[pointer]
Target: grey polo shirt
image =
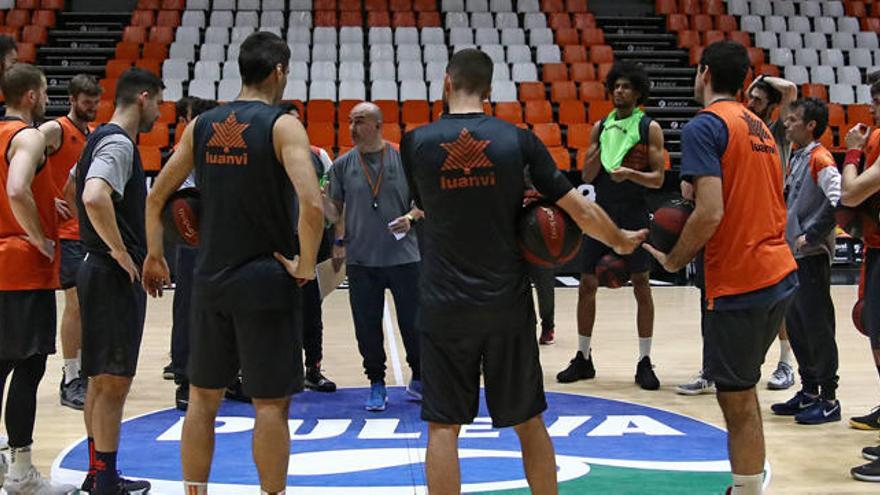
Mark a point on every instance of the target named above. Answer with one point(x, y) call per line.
point(368, 242)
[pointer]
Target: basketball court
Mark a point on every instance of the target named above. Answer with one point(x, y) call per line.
point(610, 436)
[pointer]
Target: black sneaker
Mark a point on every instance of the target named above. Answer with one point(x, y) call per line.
point(168, 372)
point(126, 487)
point(870, 421)
point(800, 402)
point(871, 453)
point(867, 472)
point(578, 369)
point(73, 394)
point(235, 391)
point(181, 397)
point(645, 376)
point(315, 380)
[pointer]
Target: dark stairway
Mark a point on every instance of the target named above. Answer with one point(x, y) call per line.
point(82, 42)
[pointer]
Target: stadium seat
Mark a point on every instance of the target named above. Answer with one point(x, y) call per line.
point(321, 134)
point(561, 157)
point(563, 90)
point(549, 134)
point(578, 136)
point(859, 114)
point(582, 72)
point(509, 112)
point(532, 91)
point(415, 112)
point(538, 112)
point(572, 112)
point(151, 156)
point(157, 136)
point(390, 109)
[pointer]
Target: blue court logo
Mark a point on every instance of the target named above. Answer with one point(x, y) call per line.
point(602, 446)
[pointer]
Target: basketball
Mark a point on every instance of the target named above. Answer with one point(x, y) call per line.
point(637, 158)
point(667, 223)
point(180, 217)
point(854, 220)
point(547, 236)
point(858, 322)
point(611, 271)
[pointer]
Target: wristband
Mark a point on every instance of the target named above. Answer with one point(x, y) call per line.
point(853, 157)
point(410, 217)
point(339, 242)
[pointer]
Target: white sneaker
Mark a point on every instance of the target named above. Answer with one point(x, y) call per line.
point(698, 386)
point(34, 484)
point(782, 378)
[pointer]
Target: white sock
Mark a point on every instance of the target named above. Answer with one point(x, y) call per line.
point(195, 488)
point(584, 345)
point(785, 353)
point(748, 485)
point(264, 492)
point(644, 347)
point(71, 370)
point(19, 462)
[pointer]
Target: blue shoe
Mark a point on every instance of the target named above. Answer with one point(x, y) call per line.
point(822, 411)
point(414, 390)
point(800, 402)
point(378, 397)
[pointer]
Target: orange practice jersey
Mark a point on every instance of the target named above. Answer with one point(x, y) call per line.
point(60, 162)
point(748, 250)
point(871, 234)
point(22, 266)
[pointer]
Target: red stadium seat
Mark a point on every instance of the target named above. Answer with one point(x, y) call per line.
point(425, 5)
point(574, 53)
point(578, 135)
point(666, 7)
point(378, 19)
point(325, 18)
point(576, 6)
point(702, 22)
point(593, 36)
point(52, 4)
point(145, 18)
point(740, 37)
point(583, 71)
point(549, 134)
point(351, 18)
point(45, 18)
point(572, 112)
point(27, 52)
point(162, 34)
point(401, 5)
point(324, 5)
point(148, 4)
point(689, 7)
point(601, 54)
point(552, 6)
point(583, 20)
point(563, 90)
point(403, 19)
point(127, 50)
point(688, 39)
point(714, 7)
point(695, 53)
point(351, 5)
point(27, 4)
point(870, 23)
point(173, 5)
point(559, 20)
point(756, 56)
point(34, 34)
point(390, 110)
point(509, 111)
point(726, 23)
point(769, 70)
point(115, 68)
point(322, 134)
point(429, 19)
point(677, 22)
point(567, 36)
point(18, 18)
point(532, 91)
point(710, 37)
point(415, 112)
point(134, 34)
point(158, 51)
point(168, 18)
point(320, 111)
point(538, 112)
point(855, 9)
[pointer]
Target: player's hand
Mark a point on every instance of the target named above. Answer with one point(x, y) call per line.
point(400, 225)
point(530, 196)
point(156, 275)
point(338, 257)
point(62, 209)
point(630, 240)
point(620, 174)
point(44, 245)
point(800, 242)
point(857, 137)
point(302, 274)
point(662, 258)
point(687, 190)
point(123, 259)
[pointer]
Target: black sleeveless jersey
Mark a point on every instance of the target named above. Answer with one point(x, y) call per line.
point(246, 196)
point(129, 210)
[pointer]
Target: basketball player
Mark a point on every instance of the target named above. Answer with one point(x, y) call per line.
point(8, 53)
point(467, 172)
point(65, 138)
point(731, 158)
point(246, 295)
point(812, 190)
point(29, 266)
point(376, 240)
point(110, 195)
point(625, 159)
point(768, 95)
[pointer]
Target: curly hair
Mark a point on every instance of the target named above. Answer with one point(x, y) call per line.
point(633, 73)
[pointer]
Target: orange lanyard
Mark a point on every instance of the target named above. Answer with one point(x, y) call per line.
point(377, 186)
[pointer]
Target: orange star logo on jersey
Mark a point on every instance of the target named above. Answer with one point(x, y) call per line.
point(466, 153)
point(228, 134)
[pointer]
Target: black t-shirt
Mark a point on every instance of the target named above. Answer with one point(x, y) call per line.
point(467, 172)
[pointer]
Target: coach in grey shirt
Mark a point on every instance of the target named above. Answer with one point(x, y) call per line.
point(375, 239)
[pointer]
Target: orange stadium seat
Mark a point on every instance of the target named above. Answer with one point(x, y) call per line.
point(603, 71)
point(561, 157)
point(870, 23)
point(158, 51)
point(487, 108)
point(538, 112)
point(436, 110)
point(391, 132)
point(815, 90)
point(390, 110)
point(702, 22)
point(45, 18)
point(167, 113)
point(18, 18)
point(109, 90)
point(150, 64)
point(134, 34)
point(429, 19)
point(592, 90)
point(827, 139)
point(677, 22)
point(726, 23)
point(105, 111)
point(415, 112)
point(856, 114)
point(148, 4)
point(343, 111)
point(351, 18)
point(712, 36)
point(756, 56)
point(151, 157)
point(52, 4)
point(583, 71)
point(349, 5)
point(34, 34)
point(27, 4)
point(126, 50)
point(532, 91)
point(158, 136)
point(509, 111)
point(583, 20)
point(666, 7)
point(690, 7)
point(563, 90)
point(27, 52)
point(378, 19)
point(324, 5)
point(836, 115)
point(578, 135)
point(168, 18)
point(695, 53)
point(559, 20)
point(554, 72)
point(593, 36)
point(576, 6)
point(574, 53)
point(403, 19)
point(409, 127)
point(601, 54)
point(572, 112)
point(162, 34)
point(740, 37)
point(322, 134)
point(549, 134)
point(688, 39)
point(325, 18)
point(714, 7)
point(320, 111)
point(144, 18)
point(400, 5)
point(769, 70)
point(376, 5)
point(599, 110)
point(115, 68)
point(567, 36)
point(173, 4)
point(344, 137)
point(855, 9)
point(425, 5)
point(552, 6)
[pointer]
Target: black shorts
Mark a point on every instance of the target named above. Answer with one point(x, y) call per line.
point(258, 329)
point(72, 254)
point(736, 341)
point(112, 310)
point(457, 346)
point(27, 324)
point(626, 216)
point(871, 296)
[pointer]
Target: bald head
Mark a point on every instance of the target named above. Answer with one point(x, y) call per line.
point(365, 123)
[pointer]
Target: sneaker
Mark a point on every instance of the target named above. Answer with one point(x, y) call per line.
point(645, 376)
point(378, 397)
point(181, 397)
point(548, 336)
point(870, 421)
point(168, 372)
point(235, 391)
point(822, 411)
point(867, 472)
point(871, 453)
point(414, 390)
point(797, 404)
point(315, 380)
point(33, 483)
point(3, 468)
point(133, 487)
point(578, 369)
point(697, 386)
point(782, 378)
point(73, 394)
